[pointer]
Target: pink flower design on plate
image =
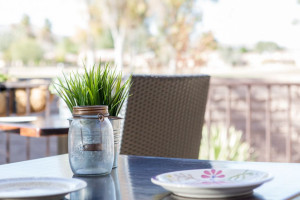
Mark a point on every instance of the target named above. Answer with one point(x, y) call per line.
point(212, 174)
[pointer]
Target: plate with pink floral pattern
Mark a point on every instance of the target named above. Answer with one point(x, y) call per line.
point(212, 183)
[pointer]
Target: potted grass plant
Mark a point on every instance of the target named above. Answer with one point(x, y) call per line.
point(98, 85)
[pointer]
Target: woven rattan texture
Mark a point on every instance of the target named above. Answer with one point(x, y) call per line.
point(164, 116)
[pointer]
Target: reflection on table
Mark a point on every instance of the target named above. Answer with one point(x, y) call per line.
point(131, 180)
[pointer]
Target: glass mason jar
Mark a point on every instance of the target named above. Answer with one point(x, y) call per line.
point(90, 141)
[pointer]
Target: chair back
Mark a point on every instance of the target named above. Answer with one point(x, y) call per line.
point(164, 116)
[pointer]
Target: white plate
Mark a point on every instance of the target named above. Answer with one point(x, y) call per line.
point(39, 188)
point(212, 183)
point(18, 119)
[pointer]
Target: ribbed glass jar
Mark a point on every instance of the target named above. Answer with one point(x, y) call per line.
point(90, 141)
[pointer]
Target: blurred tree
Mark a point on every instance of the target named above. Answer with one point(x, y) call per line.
point(121, 17)
point(267, 47)
point(24, 46)
point(6, 38)
point(80, 37)
point(207, 42)
point(65, 46)
point(47, 40)
point(95, 23)
point(25, 26)
point(26, 50)
point(104, 41)
point(244, 49)
point(46, 31)
point(176, 21)
point(24, 43)
point(232, 55)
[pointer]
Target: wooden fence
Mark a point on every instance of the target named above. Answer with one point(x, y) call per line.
point(266, 112)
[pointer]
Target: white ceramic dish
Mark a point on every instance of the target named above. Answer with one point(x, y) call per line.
point(212, 183)
point(18, 119)
point(39, 187)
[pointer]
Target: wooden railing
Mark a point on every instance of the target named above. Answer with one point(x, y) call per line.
point(9, 91)
point(262, 99)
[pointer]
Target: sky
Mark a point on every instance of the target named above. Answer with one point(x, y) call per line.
point(66, 15)
point(233, 22)
point(244, 22)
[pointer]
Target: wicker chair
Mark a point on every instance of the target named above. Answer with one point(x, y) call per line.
point(164, 116)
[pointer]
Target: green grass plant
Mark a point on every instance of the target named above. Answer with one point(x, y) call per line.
point(99, 85)
point(3, 77)
point(223, 145)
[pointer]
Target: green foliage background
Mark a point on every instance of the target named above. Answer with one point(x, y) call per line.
point(220, 146)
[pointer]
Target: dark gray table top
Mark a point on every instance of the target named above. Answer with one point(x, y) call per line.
point(131, 180)
point(43, 126)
